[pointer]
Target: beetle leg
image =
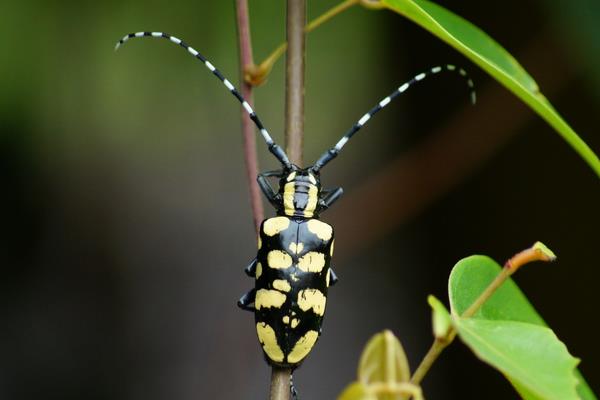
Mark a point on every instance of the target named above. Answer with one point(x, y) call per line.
point(332, 277)
point(246, 302)
point(250, 270)
point(273, 197)
point(329, 197)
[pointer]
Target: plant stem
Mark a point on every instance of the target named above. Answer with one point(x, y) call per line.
point(294, 83)
point(280, 383)
point(327, 15)
point(434, 352)
point(294, 131)
point(245, 50)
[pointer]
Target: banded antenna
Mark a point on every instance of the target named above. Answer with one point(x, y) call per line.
point(274, 148)
point(333, 152)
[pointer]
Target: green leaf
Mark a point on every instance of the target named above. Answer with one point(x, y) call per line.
point(529, 355)
point(525, 393)
point(469, 278)
point(441, 321)
point(383, 360)
point(494, 59)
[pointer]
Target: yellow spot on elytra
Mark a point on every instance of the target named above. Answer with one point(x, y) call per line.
point(282, 285)
point(286, 319)
point(312, 298)
point(331, 248)
point(259, 242)
point(273, 226)
point(291, 176)
point(296, 248)
point(288, 198)
point(266, 336)
point(311, 203)
point(258, 270)
point(321, 229)
point(279, 259)
point(295, 322)
point(312, 262)
point(303, 347)
point(266, 298)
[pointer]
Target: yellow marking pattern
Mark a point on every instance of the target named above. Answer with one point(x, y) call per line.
point(296, 248)
point(312, 262)
point(288, 198)
point(295, 322)
point(281, 285)
point(291, 176)
point(273, 226)
point(303, 347)
point(331, 248)
point(266, 336)
point(327, 278)
point(286, 319)
point(312, 298)
point(311, 204)
point(321, 229)
point(259, 242)
point(312, 179)
point(266, 298)
point(279, 259)
point(258, 270)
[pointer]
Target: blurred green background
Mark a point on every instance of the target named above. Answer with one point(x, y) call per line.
point(126, 223)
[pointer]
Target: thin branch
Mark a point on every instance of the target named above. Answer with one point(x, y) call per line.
point(280, 384)
point(245, 48)
point(294, 84)
point(432, 355)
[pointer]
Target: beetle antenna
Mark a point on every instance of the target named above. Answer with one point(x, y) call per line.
point(333, 152)
point(274, 148)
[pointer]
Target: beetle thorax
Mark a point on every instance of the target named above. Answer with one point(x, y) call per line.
point(300, 193)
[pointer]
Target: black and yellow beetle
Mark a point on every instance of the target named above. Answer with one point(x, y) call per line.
point(292, 269)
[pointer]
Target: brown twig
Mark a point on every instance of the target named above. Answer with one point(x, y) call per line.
point(280, 384)
point(246, 62)
point(294, 84)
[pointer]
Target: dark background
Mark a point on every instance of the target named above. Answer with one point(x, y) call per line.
point(125, 216)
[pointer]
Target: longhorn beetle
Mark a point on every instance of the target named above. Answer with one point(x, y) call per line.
point(292, 269)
